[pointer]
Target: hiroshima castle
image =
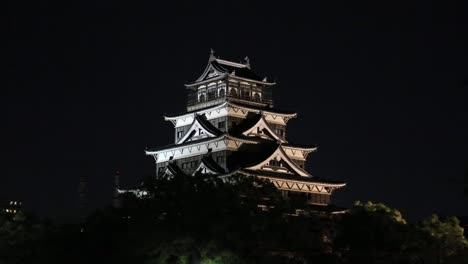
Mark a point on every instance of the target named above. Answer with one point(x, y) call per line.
point(232, 127)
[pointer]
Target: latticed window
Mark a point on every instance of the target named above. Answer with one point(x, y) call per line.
point(222, 93)
point(220, 160)
point(211, 95)
point(280, 132)
point(245, 93)
point(180, 134)
point(257, 97)
point(233, 92)
point(275, 163)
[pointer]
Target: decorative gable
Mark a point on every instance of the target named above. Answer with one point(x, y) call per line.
point(263, 130)
point(199, 130)
point(280, 162)
point(204, 169)
point(210, 72)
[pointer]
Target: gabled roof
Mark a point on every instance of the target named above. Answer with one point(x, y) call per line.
point(251, 154)
point(207, 125)
point(211, 166)
point(249, 125)
point(173, 169)
point(217, 68)
point(261, 123)
point(200, 121)
point(236, 69)
point(279, 153)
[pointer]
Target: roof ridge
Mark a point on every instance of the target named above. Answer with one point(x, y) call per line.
point(231, 63)
point(203, 121)
point(212, 164)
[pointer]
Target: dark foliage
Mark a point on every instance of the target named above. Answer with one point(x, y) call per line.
point(206, 220)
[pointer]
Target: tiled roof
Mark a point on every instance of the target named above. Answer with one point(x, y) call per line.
point(176, 170)
point(232, 68)
point(287, 176)
point(212, 165)
point(182, 144)
point(208, 125)
point(251, 154)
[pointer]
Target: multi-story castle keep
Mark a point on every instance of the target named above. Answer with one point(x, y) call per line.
point(231, 127)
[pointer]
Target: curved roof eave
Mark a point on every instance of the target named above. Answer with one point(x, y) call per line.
point(268, 128)
point(306, 179)
point(311, 149)
point(286, 158)
point(262, 110)
point(217, 78)
point(169, 118)
point(251, 80)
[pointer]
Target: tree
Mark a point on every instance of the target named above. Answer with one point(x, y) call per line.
point(214, 221)
point(19, 236)
point(444, 238)
point(370, 231)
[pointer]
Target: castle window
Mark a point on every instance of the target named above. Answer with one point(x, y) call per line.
point(280, 132)
point(257, 97)
point(233, 92)
point(211, 94)
point(222, 93)
point(275, 163)
point(220, 159)
point(201, 98)
point(222, 124)
point(180, 134)
point(245, 93)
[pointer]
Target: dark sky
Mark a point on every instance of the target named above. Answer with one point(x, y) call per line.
point(381, 88)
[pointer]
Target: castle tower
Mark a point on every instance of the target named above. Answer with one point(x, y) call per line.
point(231, 127)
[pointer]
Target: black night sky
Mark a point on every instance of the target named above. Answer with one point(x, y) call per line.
point(381, 89)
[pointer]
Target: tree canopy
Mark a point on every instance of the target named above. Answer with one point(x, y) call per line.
point(185, 219)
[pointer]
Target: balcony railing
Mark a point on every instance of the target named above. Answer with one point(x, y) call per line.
point(194, 98)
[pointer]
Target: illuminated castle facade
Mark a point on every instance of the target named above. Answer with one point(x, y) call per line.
point(231, 127)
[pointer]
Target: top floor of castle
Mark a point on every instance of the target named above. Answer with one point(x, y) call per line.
point(226, 81)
